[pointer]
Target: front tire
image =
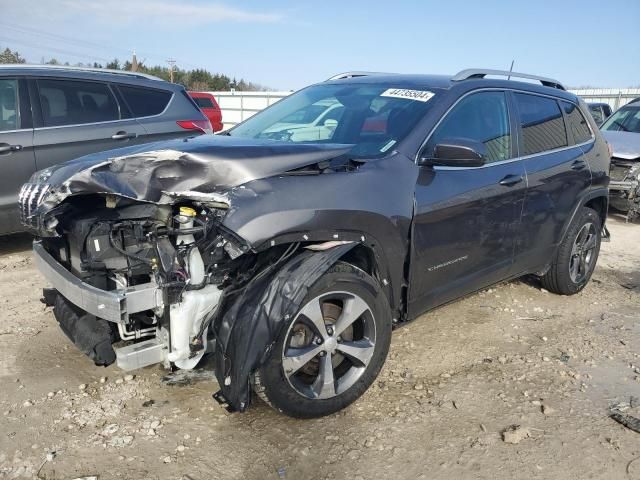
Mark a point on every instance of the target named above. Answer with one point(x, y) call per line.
point(332, 350)
point(577, 255)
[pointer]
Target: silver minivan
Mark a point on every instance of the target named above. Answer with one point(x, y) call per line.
point(49, 115)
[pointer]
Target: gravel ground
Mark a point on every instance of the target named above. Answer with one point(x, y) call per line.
point(512, 382)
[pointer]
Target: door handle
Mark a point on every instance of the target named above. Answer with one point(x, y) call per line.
point(578, 165)
point(123, 136)
point(6, 148)
point(511, 180)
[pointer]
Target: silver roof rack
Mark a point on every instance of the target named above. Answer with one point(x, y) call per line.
point(481, 73)
point(344, 75)
point(79, 69)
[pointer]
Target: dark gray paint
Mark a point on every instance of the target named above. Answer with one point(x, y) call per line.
point(412, 218)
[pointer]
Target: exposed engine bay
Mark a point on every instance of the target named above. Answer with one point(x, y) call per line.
point(181, 251)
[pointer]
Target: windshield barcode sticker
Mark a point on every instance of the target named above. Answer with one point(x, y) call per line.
point(419, 95)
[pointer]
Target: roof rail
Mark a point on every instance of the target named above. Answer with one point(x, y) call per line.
point(481, 73)
point(344, 75)
point(81, 69)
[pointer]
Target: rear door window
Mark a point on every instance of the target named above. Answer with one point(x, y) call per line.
point(577, 124)
point(72, 102)
point(145, 102)
point(541, 122)
point(9, 112)
point(481, 117)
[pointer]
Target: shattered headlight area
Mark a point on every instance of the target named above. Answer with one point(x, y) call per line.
point(624, 187)
point(30, 197)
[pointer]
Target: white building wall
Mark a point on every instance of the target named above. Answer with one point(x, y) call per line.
point(616, 97)
point(238, 106)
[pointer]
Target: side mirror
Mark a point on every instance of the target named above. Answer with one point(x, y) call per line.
point(457, 152)
point(330, 123)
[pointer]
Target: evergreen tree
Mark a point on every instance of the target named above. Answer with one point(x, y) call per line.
point(7, 56)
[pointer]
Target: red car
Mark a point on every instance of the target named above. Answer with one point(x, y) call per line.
point(207, 103)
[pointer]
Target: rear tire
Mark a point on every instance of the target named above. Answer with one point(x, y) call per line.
point(324, 362)
point(576, 256)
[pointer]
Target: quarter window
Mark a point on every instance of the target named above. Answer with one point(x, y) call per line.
point(9, 115)
point(203, 102)
point(481, 117)
point(542, 124)
point(577, 123)
point(145, 102)
point(71, 102)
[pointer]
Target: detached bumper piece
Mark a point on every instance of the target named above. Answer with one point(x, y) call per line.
point(93, 336)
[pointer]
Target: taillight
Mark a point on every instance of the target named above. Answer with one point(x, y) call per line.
point(202, 126)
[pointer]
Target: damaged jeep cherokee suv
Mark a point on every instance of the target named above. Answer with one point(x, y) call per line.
point(291, 257)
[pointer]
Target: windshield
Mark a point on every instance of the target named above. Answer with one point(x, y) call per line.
point(627, 119)
point(372, 117)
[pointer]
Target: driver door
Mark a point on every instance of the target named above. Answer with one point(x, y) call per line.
point(467, 219)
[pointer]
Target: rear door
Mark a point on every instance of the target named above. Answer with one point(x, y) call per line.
point(557, 171)
point(78, 117)
point(467, 219)
point(17, 160)
point(158, 111)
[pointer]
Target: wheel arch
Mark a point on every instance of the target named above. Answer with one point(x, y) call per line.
point(598, 200)
point(366, 253)
point(246, 328)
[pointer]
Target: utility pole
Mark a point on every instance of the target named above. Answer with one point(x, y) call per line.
point(171, 63)
point(134, 62)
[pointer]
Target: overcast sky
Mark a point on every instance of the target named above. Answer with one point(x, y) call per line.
point(288, 44)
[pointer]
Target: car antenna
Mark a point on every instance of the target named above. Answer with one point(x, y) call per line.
point(511, 69)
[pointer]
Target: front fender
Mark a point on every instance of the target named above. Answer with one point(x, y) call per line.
point(372, 205)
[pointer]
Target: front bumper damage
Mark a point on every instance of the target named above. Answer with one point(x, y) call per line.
point(624, 195)
point(114, 306)
point(91, 317)
point(144, 270)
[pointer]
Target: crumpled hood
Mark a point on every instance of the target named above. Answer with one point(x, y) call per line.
point(203, 168)
point(201, 164)
point(625, 145)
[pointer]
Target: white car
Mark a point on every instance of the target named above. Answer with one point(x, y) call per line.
point(313, 122)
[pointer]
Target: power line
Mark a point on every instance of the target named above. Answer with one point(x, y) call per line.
point(52, 49)
point(80, 43)
point(41, 33)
